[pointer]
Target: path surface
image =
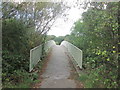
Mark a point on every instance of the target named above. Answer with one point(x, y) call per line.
point(58, 69)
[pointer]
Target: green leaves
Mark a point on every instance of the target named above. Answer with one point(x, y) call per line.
point(24, 26)
point(97, 36)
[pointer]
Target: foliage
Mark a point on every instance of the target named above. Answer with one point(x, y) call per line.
point(59, 39)
point(50, 37)
point(97, 35)
point(15, 46)
point(22, 79)
point(24, 26)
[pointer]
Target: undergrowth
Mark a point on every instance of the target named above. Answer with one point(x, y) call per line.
point(95, 78)
point(22, 78)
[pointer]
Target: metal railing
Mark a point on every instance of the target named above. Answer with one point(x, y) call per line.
point(75, 52)
point(36, 53)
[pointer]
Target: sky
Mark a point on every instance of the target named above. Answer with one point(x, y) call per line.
point(61, 27)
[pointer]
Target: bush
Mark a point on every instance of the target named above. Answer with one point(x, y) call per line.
point(15, 48)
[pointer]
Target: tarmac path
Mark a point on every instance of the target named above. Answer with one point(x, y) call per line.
point(58, 69)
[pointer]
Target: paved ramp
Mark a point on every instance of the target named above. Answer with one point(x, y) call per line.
point(57, 72)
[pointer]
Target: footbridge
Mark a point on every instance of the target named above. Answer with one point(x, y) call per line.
point(72, 50)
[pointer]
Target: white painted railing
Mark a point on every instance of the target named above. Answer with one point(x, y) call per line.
point(75, 52)
point(36, 53)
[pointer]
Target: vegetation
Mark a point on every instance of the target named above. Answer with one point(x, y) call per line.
point(24, 26)
point(58, 39)
point(97, 35)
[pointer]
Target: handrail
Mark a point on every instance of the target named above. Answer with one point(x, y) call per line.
point(74, 51)
point(36, 53)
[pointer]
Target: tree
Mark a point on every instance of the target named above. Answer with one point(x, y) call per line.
point(25, 26)
point(97, 36)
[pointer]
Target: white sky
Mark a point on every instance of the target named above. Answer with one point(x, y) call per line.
point(61, 27)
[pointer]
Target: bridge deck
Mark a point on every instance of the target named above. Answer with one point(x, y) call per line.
point(58, 70)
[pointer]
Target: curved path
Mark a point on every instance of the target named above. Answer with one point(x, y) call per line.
point(58, 70)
